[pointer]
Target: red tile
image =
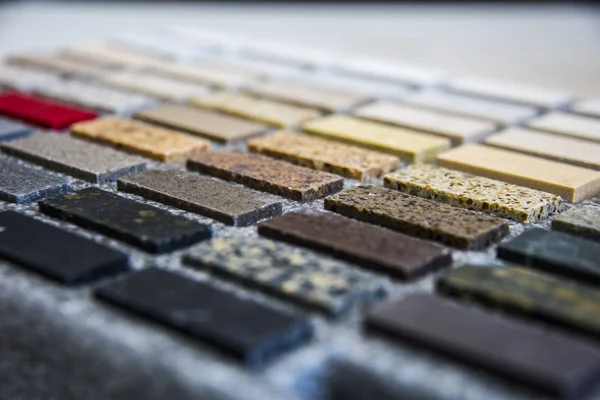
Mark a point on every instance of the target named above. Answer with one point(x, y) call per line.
point(42, 112)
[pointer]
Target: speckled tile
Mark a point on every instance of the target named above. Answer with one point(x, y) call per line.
point(477, 193)
point(223, 201)
point(142, 138)
point(325, 155)
point(268, 175)
point(582, 221)
point(572, 125)
point(419, 217)
point(11, 129)
point(407, 144)
point(290, 272)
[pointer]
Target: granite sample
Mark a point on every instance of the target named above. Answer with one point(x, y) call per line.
point(580, 221)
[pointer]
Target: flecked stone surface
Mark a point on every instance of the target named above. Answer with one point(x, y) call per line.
point(325, 155)
point(225, 202)
point(298, 275)
point(415, 216)
point(583, 221)
point(268, 175)
point(139, 137)
point(527, 292)
point(367, 245)
point(10, 129)
point(266, 111)
point(473, 192)
point(20, 183)
point(78, 158)
point(410, 146)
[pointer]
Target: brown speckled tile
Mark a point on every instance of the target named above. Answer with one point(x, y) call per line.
point(457, 227)
point(581, 221)
point(268, 175)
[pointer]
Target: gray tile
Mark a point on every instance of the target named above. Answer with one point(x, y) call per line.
point(580, 221)
point(10, 129)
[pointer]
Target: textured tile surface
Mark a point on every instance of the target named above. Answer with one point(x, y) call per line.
point(266, 111)
point(556, 364)
point(589, 106)
point(78, 158)
point(526, 292)
point(325, 155)
point(409, 145)
point(415, 216)
point(298, 275)
point(143, 226)
point(554, 252)
point(211, 124)
point(547, 145)
point(57, 254)
point(367, 245)
point(267, 175)
point(11, 129)
point(225, 202)
point(239, 327)
point(456, 128)
point(53, 64)
point(22, 184)
point(581, 221)
point(568, 125)
point(14, 77)
point(204, 74)
point(460, 189)
point(139, 137)
point(570, 182)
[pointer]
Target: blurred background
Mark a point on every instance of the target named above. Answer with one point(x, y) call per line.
point(553, 44)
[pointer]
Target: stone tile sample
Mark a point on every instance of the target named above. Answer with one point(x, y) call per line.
point(571, 125)
point(582, 221)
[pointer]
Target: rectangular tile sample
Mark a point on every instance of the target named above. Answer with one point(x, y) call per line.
point(357, 242)
point(258, 69)
point(576, 126)
point(265, 111)
point(79, 158)
point(391, 71)
point(147, 227)
point(526, 292)
point(142, 138)
point(295, 274)
point(456, 128)
point(223, 201)
point(14, 77)
point(515, 92)
point(490, 110)
point(456, 227)
point(41, 112)
point(55, 253)
point(20, 183)
point(325, 155)
point(409, 145)
point(547, 145)
point(569, 182)
point(158, 45)
point(589, 106)
point(305, 94)
point(210, 124)
point(239, 327)
point(555, 364)
point(57, 65)
point(285, 53)
point(473, 192)
point(267, 175)
point(554, 252)
point(103, 55)
point(96, 96)
point(11, 129)
point(583, 220)
point(204, 74)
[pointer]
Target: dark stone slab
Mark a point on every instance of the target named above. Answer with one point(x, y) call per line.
point(268, 175)
point(582, 221)
point(367, 245)
point(140, 225)
point(10, 129)
point(419, 217)
point(225, 202)
point(57, 254)
point(554, 364)
point(240, 327)
point(555, 252)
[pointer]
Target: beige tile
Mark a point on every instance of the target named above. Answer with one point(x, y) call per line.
point(590, 106)
point(391, 71)
point(570, 182)
point(457, 128)
point(569, 125)
point(409, 145)
point(57, 65)
point(102, 55)
point(15, 77)
point(204, 74)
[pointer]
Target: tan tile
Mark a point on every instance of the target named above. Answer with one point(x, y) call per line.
point(204, 74)
point(138, 137)
point(409, 145)
point(457, 128)
point(568, 125)
point(570, 182)
point(325, 155)
point(590, 106)
point(102, 55)
point(58, 65)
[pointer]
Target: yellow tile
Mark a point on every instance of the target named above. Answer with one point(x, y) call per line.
point(570, 182)
point(409, 145)
point(267, 111)
point(138, 137)
point(568, 125)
